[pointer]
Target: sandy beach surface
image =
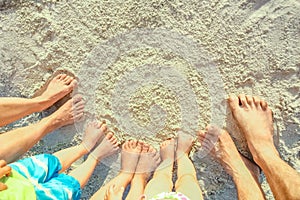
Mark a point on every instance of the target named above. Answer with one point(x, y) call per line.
point(153, 68)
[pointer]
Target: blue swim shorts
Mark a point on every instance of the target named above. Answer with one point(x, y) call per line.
point(42, 171)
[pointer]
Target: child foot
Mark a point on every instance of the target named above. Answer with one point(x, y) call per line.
point(57, 88)
point(224, 150)
point(148, 162)
point(130, 155)
point(167, 150)
point(107, 147)
point(93, 133)
point(114, 193)
point(254, 118)
point(184, 144)
point(71, 111)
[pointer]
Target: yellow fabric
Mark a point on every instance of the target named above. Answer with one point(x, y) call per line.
point(18, 188)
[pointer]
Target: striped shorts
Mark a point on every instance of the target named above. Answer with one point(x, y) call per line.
point(42, 171)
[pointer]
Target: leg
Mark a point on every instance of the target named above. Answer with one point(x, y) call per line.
point(15, 108)
point(15, 143)
point(93, 133)
point(246, 181)
point(254, 118)
point(187, 183)
point(129, 158)
point(162, 178)
point(149, 160)
point(107, 147)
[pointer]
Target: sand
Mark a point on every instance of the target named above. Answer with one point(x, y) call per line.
point(151, 68)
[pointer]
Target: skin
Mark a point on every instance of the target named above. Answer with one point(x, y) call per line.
point(243, 172)
point(186, 183)
point(135, 169)
point(107, 147)
point(16, 142)
point(254, 118)
point(5, 170)
point(13, 108)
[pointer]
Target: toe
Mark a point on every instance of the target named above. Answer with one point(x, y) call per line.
point(125, 145)
point(243, 100)
point(63, 76)
point(109, 135)
point(103, 128)
point(263, 105)
point(67, 80)
point(58, 77)
point(233, 102)
point(73, 83)
point(249, 100)
point(256, 101)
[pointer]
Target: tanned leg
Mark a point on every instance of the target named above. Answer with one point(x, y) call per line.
point(12, 109)
point(225, 152)
point(16, 142)
point(254, 118)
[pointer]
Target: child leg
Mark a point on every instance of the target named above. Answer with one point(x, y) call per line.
point(107, 147)
point(129, 158)
point(187, 183)
point(93, 133)
point(149, 160)
point(162, 178)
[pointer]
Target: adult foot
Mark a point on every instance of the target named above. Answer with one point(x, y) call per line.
point(114, 193)
point(224, 150)
point(93, 133)
point(254, 118)
point(71, 111)
point(130, 155)
point(148, 161)
point(107, 147)
point(184, 144)
point(56, 89)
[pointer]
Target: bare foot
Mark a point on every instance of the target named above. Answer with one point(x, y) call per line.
point(107, 147)
point(130, 155)
point(225, 150)
point(184, 144)
point(114, 193)
point(57, 88)
point(254, 118)
point(148, 162)
point(93, 133)
point(167, 149)
point(71, 111)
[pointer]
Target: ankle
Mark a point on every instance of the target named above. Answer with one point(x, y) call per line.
point(83, 148)
point(140, 178)
point(264, 153)
point(41, 103)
